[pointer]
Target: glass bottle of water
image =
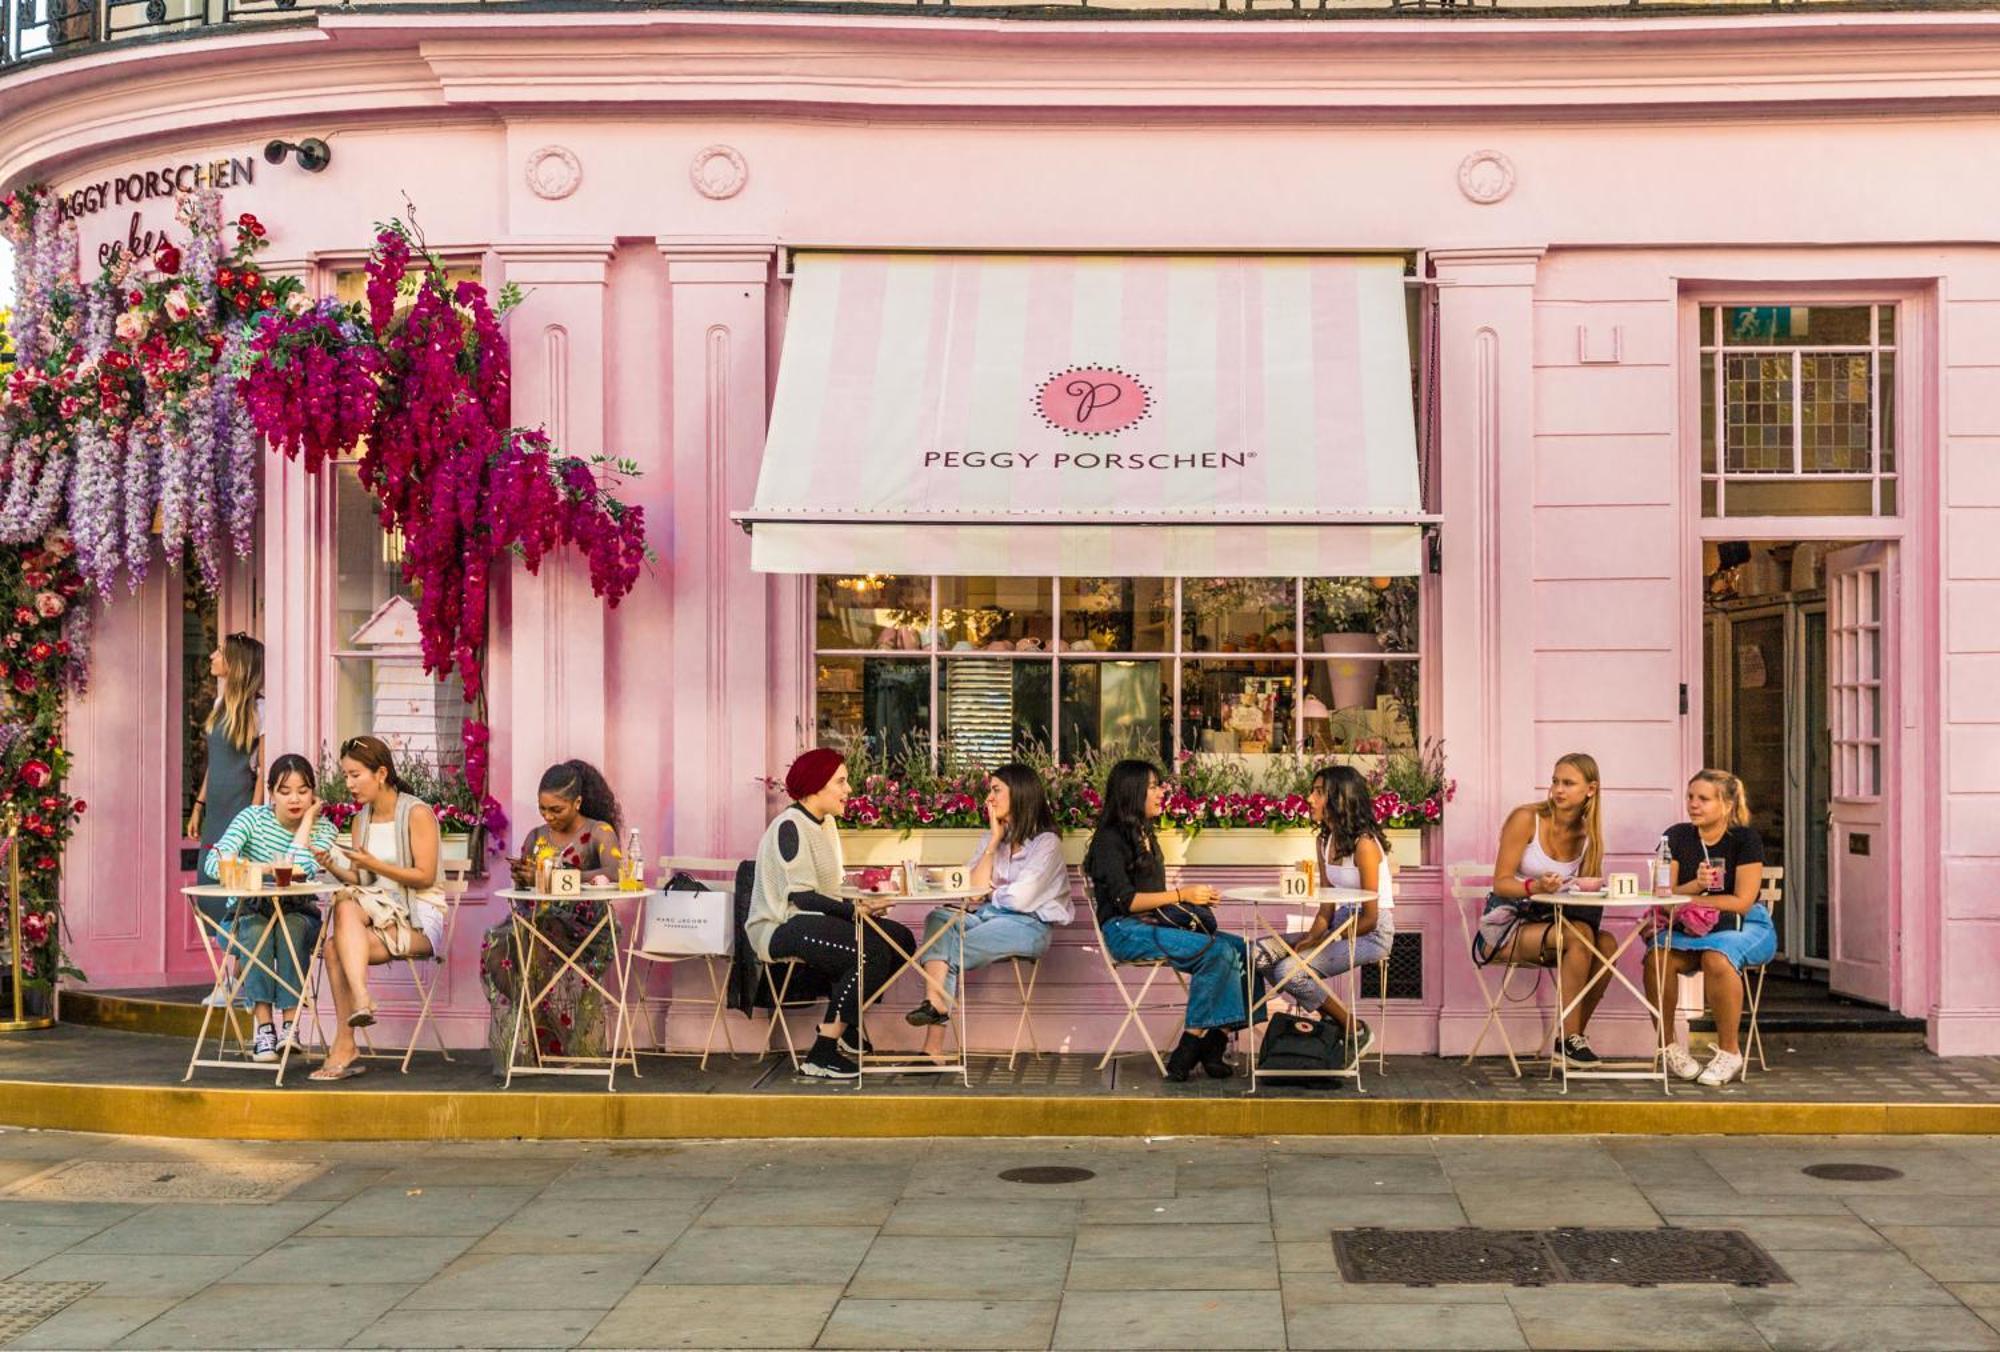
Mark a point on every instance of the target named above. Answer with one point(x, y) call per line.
point(1663, 869)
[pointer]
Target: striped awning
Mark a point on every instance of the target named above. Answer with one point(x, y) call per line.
point(1135, 415)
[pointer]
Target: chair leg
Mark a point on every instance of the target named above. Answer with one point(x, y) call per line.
point(1024, 1024)
point(778, 1024)
point(1754, 1045)
point(1381, 1017)
point(1495, 1000)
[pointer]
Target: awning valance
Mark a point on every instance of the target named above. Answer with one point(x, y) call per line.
point(1140, 415)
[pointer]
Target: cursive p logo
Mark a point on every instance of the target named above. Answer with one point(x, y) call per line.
point(1092, 401)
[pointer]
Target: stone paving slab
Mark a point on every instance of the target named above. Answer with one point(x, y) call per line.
point(920, 1244)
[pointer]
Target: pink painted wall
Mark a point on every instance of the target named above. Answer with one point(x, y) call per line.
point(1652, 161)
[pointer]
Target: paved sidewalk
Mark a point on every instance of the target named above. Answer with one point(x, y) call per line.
point(911, 1244)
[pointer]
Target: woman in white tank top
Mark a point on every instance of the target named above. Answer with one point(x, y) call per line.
point(397, 847)
point(1546, 847)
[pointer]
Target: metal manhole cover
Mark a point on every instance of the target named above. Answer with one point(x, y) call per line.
point(1443, 1257)
point(23, 1305)
point(164, 1181)
point(1654, 1257)
point(1047, 1173)
point(1853, 1173)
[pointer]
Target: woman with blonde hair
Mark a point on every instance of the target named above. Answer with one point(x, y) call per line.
point(1719, 857)
point(234, 779)
point(1553, 846)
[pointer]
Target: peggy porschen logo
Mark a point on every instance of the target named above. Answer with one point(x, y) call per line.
point(1090, 401)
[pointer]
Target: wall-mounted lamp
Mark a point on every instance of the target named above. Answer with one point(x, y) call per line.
point(314, 154)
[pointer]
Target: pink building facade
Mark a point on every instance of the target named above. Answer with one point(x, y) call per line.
point(1706, 318)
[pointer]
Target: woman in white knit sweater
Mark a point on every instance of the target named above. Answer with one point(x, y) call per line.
point(796, 910)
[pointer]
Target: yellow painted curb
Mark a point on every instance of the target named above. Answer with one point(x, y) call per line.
point(128, 1014)
point(364, 1115)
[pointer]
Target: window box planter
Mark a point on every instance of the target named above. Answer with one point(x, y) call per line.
point(1215, 846)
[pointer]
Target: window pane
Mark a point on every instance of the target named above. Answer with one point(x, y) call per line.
point(1797, 325)
point(1887, 417)
point(1708, 326)
point(1242, 707)
point(994, 708)
point(1238, 614)
point(1360, 706)
point(1886, 317)
point(997, 614)
point(393, 699)
point(876, 610)
point(1757, 404)
point(1833, 392)
point(1361, 614)
point(369, 564)
point(1708, 413)
point(1116, 708)
point(1117, 614)
point(1708, 488)
point(1889, 507)
point(877, 706)
point(1800, 497)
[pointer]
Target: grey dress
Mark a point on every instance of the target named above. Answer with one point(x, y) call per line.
point(232, 780)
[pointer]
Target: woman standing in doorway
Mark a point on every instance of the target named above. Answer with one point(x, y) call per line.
point(235, 742)
point(1546, 847)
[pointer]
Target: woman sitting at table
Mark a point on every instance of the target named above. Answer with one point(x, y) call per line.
point(1553, 846)
point(1719, 857)
point(392, 906)
point(285, 830)
point(1144, 920)
point(1352, 852)
point(579, 830)
point(796, 910)
point(1020, 866)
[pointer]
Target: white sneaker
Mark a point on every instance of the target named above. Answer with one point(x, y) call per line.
point(293, 1039)
point(265, 1049)
point(1721, 1069)
point(1679, 1064)
point(217, 998)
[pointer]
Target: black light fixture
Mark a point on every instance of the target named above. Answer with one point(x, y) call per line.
point(313, 153)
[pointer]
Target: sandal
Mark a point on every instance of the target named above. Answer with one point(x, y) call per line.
point(362, 1018)
point(326, 1074)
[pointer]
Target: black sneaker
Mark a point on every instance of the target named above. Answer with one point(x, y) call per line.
point(1186, 1054)
point(1576, 1051)
point(926, 1015)
point(824, 1062)
point(847, 1047)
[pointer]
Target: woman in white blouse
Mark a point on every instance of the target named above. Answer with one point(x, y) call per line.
point(1020, 867)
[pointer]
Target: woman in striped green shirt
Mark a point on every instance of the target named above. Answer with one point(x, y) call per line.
point(284, 829)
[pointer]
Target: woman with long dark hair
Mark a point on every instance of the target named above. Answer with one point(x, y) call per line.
point(1145, 920)
point(1020, 867)
point(1352, 852)
point(580, 825)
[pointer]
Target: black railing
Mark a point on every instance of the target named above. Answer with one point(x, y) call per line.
point(36, 29)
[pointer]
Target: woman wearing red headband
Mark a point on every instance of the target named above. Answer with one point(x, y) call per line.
point(796, 910)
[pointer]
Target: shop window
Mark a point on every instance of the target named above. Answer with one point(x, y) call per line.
point(1798, 410)
point(988, 668)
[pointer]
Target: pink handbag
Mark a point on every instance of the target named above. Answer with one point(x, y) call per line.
point(1694, 918)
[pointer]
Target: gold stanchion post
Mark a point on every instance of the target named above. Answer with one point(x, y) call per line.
point(10, 827)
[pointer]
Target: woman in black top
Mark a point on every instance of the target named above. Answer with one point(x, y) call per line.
point(1144, 920)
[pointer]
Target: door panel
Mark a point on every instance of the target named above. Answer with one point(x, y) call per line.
point(1861, 849)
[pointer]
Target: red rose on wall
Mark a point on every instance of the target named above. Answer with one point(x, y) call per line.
point(48, 605)
point(23, 615)
point(41, 652)
point(36, 774)
point(167, 259)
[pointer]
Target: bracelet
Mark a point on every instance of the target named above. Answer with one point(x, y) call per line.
point(1527, 888)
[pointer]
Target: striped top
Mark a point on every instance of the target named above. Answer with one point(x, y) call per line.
point(254, 834)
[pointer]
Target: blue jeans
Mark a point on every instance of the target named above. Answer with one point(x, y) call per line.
point(248, 937)
point(1213, 965)
point(991, 933)
point(1295, 974)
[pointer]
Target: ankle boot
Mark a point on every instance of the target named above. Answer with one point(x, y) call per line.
point(1214, 1046)
point(1181, 1060)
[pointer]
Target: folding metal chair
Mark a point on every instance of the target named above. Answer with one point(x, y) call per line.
point(425, 975)
point(1471, 884)
point(717, 1000)
point(1135, 1005)
point(781, 1000)
point(1024, 1025)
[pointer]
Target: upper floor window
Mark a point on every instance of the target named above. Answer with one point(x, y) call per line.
point(1798, 410)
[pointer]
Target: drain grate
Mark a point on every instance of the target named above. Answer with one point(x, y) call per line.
point(164, 1181)
point(1444, 1257)
point(26, 1304)
point(1047, 1173)
point(1853, 1173)
point(1653, 1257)
point(1471, 1256)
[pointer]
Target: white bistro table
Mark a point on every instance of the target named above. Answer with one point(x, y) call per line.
point(524, 907)
point(869, 908)
point(1637, 908)
point(248, 954)
point(1267, 904)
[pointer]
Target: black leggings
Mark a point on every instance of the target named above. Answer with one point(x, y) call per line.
point(825, 943)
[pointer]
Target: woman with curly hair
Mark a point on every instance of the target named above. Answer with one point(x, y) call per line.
point(579, 830)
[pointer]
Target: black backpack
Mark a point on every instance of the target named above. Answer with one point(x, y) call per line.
point(1294, 1042)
